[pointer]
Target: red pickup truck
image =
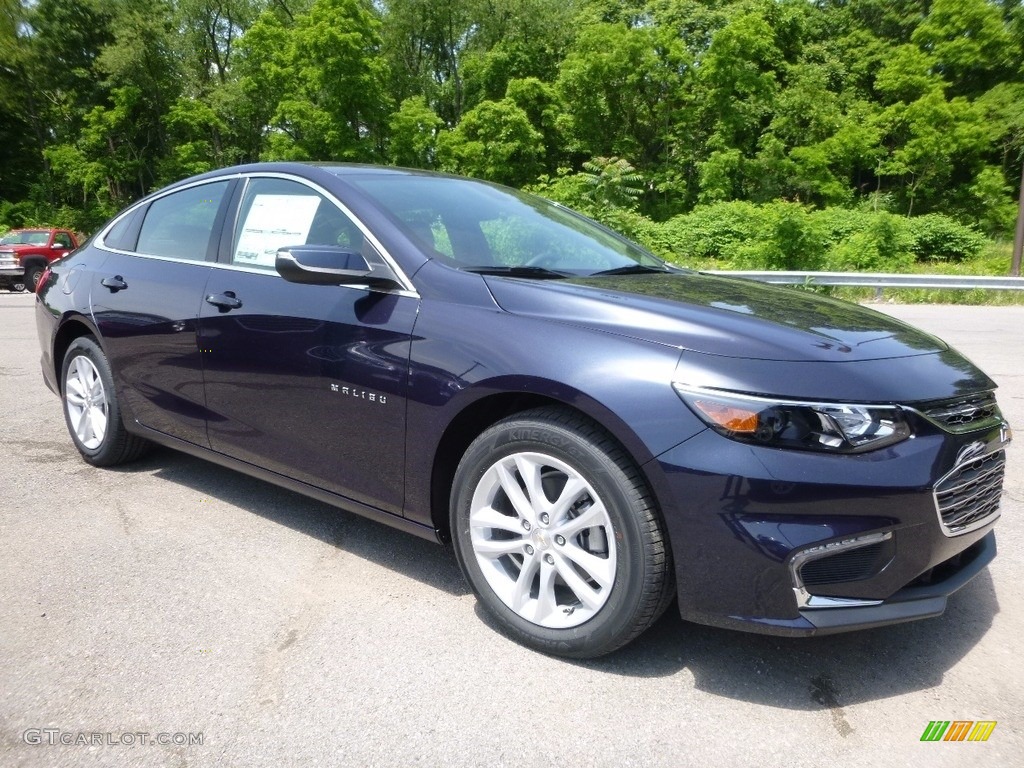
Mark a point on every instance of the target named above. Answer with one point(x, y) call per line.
point(25, 253)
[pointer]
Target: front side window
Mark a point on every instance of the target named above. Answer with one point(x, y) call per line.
point(179, 225)
point(278, 213)
point(63, 239)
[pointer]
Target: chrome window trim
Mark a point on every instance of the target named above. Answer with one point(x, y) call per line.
point(407, 289)
point(804, 599)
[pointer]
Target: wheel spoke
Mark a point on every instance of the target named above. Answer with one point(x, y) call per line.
point(83, 426)
point(497, 547)
point(529, 470)
point(583, 591)
point(515, 494)
point(597, 568)
point(572, 490)
point(546, 601)
point(521, 592)
point(74, 386)
point(489, 517)
point(84, 379)
point(99, 423)
point(594, 515)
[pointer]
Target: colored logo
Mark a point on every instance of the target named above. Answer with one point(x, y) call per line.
point(958, 730)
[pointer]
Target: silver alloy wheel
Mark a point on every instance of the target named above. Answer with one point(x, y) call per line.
point(543, 539)
point(86, 402)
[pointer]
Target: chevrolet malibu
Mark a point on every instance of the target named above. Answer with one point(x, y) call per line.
point(596, 433)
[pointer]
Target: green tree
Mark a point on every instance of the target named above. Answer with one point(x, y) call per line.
point(970, 44)
point(321, 106)
point(619, 87)
point(494, 141)
point(414, 132)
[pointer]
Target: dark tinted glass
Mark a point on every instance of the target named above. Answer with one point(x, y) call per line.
point(180, 224)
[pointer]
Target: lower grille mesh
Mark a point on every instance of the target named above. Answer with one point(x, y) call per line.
point(852, 565)
point(970, 495)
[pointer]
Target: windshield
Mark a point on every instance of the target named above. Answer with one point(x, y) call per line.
point(26, 237)
point(479, 227)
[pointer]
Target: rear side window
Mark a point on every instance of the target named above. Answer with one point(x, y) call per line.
point(179, 225)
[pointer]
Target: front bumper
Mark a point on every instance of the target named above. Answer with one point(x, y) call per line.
point(10, 266)
point(740, 539)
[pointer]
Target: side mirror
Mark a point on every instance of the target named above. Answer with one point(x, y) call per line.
point(328, 265)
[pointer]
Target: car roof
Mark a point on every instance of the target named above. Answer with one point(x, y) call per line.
point(337, 169)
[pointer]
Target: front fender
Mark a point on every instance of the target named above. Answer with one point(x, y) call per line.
point(622, 383)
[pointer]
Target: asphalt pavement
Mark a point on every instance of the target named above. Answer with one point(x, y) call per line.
point(244, 625)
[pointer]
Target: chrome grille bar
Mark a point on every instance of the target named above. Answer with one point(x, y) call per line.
point(968, 496)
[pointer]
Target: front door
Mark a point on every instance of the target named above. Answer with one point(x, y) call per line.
point(304, 380)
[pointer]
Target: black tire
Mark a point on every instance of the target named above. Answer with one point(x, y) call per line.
point(18, 286)
point(116, 445)
point(644, 582)
point(32, 275)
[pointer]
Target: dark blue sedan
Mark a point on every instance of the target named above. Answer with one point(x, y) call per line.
point(595, 432)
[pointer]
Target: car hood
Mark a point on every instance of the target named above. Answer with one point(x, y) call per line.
point(723, 316)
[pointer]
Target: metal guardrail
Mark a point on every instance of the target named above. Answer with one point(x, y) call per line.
point(879, 281)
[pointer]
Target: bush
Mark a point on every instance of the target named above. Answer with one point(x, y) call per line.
point(776, 235)
point(939, 238)
point(788, 236)
point(709, 231)
point(881, 244)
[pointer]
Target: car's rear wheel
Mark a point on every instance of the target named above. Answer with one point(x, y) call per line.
point(91, 410)
point(558, 535)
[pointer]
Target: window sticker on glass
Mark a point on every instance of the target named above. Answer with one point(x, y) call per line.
point(273, 222)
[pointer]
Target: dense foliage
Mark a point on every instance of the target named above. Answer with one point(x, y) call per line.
point(800, 133)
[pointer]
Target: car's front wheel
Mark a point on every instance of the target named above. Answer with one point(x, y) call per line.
point(32, 277)
point(558, 535)
point(91, 409)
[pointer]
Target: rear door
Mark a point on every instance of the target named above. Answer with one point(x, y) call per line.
point(305, 380)
point(146, 297)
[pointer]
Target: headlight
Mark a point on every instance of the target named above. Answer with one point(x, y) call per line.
point(832, 427)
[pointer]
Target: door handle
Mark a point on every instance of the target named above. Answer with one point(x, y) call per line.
point(225, 302)
point(115, 283)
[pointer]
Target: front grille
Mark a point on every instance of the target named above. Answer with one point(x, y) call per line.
point(969, 495)
point(965, 414)
point(852, 565)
